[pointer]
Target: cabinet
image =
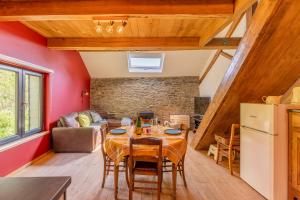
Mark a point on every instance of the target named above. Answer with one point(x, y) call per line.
point(294, 155)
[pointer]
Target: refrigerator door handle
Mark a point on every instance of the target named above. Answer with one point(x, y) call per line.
point(253, 116)
point(256, 130)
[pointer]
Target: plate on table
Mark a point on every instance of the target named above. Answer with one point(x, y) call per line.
point(146, 125)
point(172, 131)
point(118, 131)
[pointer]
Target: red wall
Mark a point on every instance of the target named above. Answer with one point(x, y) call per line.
point(64, 88)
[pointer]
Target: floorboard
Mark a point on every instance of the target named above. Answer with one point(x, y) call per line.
point(205, 179)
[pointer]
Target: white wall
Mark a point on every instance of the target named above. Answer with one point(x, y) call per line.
point(210, 84)
point(115, 64)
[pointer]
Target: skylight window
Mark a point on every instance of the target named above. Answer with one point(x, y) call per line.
point(146, 62)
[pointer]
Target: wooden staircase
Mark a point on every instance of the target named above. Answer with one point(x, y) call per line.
point(267, 62)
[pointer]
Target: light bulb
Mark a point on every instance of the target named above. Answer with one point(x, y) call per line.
point(109, 29)
point(120, 29)
point(99, 28)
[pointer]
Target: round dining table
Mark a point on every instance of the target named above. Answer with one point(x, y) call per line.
point(173, 147)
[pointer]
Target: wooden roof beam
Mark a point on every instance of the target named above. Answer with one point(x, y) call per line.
point(250, 65)
point(240, 7)
point(211, 64)
point(232, 28)
point(226, 55)
point(131, 44)
point(30, 10)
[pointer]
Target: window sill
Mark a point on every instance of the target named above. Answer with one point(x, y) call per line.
point(22, 141)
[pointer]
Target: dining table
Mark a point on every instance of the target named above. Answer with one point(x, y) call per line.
point(173, 147)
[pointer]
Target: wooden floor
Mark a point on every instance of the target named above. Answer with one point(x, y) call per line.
point(206, 180)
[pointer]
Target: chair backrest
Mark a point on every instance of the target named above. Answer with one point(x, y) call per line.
point(147, 141)
point(103, 137)
point(180, 119)
point(234, 140)
point(185, 130)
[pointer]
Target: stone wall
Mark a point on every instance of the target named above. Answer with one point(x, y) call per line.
point(128, 96)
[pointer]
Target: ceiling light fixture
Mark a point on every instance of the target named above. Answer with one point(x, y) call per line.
point(109, 24)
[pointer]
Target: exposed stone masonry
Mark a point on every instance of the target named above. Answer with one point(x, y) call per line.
point(128, 96)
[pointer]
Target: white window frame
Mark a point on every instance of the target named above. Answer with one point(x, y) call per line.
point(145, 69)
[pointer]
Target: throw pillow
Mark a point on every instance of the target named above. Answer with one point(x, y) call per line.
point(84, 120)
point(96, 117)
point(70, 121)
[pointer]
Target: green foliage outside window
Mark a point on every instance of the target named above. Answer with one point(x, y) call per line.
point(8, 96)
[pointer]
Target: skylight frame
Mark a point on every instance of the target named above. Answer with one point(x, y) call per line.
point(132, 68)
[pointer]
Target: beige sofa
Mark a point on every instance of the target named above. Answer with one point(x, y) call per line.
point(69, 137)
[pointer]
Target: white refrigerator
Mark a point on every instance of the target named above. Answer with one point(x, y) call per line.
point(264, 148)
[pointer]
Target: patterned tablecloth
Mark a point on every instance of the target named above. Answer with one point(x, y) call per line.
point(117, 146)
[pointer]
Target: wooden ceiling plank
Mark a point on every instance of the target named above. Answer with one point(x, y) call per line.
point(20, 10)
point(124, 44)
point(136, 27)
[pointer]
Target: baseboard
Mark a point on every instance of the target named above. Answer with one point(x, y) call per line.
point(29, 163)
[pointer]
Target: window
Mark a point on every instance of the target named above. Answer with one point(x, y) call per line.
point(21, 98)
point(146, 62)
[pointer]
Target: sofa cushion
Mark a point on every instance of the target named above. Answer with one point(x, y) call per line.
point(87, 113)
point(84, 120)
point(95, 117)
point(70, 120)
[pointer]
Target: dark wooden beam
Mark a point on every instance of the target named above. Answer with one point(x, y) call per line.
point(87, 9)
point(226, 55)
point(266, 63)
point(223, 43)
point(125, 44)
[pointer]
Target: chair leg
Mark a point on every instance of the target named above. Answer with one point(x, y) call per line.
point(183, 174)
point(131, 187)
point(218, 153)
point(159, 186)
point(116, 179)
point(174, 176)
point(126, 171)
point(230, 160)
point(108, 166)
point(133, 179)
point(104, 173)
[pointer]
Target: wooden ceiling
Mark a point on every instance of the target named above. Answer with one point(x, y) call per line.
point(160, 24)
point(136, 27)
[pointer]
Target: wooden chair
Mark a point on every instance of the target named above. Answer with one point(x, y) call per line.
point(228, 148)
point(180, 167)
point(109, 165)
point(145, 165)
